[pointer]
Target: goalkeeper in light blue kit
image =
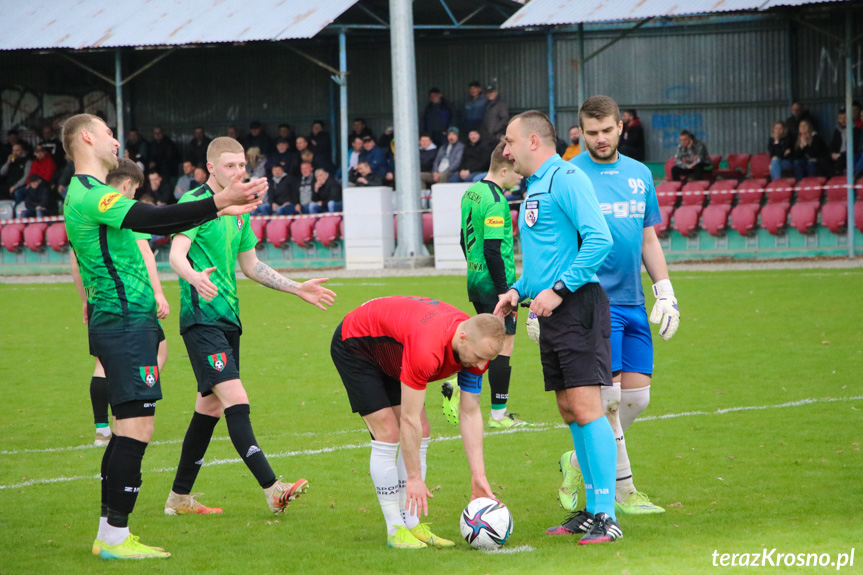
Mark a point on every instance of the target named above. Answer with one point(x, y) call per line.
point(624, 188)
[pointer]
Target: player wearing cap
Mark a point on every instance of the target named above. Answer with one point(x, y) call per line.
point(204, 258)
point(387, 351)
point(624, 188)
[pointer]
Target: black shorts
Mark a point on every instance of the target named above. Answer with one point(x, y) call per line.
point(574, 341)
point(214, 353)
point(131, 365)
point(369, 389)
point(486, 307)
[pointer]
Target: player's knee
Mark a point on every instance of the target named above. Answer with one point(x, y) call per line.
point(611, 399)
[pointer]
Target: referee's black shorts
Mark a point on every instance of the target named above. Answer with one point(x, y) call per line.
point(575, 340)
point(369, 389)
point(488, 307)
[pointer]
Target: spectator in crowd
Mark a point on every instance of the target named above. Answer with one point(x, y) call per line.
point(256, 163)
point(495, 118)
point(201, 176)
point(164, 155)
point(138, 148)
point(447, 161)
point(13, 138)
point(232, 132)
point(37, 199)
point(15, 170)
point(185, 182)
point(284, 194)
point(374, 156)
point(317, 161)
point(364, 176)
point(158, 187)
point(328, 190)
point(857, 114)
point(691, 158)
point(632, 139)
point(287, 158)
point(310, 200)
point(811, 154)
point(196, 149)
point(838, 145)
point(354, 152)
point(258, 138)
point(574, 147)
point(360, 129)
point(428, 153)
point(436, 117)
point(286, 131)
point(474, 159)
point(385, 140)
point(65, 176)
point(798, 114)
point(780, 147)
point(51, 142)
point(43, 165)
point(474, 108)
point(319, 141)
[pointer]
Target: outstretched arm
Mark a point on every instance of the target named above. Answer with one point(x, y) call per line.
point(410, 436)
point(310, 291)
point(471, 425)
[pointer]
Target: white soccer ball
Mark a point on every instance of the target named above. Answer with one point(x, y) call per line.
point(486, 523)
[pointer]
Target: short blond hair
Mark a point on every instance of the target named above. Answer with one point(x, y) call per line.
point(223, 145)
point(498, 160)
point(485, 326)
point(73, 126)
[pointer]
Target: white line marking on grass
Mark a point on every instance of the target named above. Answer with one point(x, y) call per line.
point(539, 428)
point(508, 550)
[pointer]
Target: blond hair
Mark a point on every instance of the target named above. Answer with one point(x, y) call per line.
point(73, 126)
point(485, 326)
point(224, 145)
point(498, 160)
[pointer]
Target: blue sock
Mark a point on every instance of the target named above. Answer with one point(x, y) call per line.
point(601, 455)
point(581, 453)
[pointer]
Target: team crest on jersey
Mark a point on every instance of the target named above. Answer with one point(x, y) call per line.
point(149, 374)
point(107, 201)
point(531, 212)
point(218, 361)
point(239, 222)
point(494, 222)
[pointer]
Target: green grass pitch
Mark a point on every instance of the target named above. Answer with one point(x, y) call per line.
point(760, 449)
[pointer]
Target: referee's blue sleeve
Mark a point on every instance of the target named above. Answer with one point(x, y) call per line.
point(580, 204)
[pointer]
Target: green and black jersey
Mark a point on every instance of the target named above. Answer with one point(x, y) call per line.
point(112, 268)
point(215, 244)
point(485, 216)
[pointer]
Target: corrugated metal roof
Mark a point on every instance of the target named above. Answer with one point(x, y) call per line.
point(80, 24)
point(553, 12)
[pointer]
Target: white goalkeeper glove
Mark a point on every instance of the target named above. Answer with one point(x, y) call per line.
point(533, 327)
point(665, 311)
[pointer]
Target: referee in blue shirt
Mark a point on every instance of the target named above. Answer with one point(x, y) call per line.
point(564, 241)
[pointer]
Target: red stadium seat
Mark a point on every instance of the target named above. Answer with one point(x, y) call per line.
point(34, 236)
point(12, 236)
point(715, 159)
point(687, 215)
point(327, 230)
point(774, 215)
point(277, 232)
point(858, 216)
point(662, 227)
point(302, 231)
point(759, 166)
point(259, 227)
point(744, 216)
point(751, 191)
point(804, 214)
point(56, 237)
point(693, 193)
point(513, 215)
point(714, 219)
point(834, 214)
point(428, 228)
point(738, 164)
point(667, 193)
point(669, 163)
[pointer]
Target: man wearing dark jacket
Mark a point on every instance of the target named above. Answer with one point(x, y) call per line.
point(838, 146)
point(364, 176)
point(437, 117)
point(37, 199)
point(374, 156)
point(632, 139)
point(284, 192)
point(474, 160)
point(495, 118)
point(328, 190)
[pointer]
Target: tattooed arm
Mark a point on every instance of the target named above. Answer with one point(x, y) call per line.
point(310, 291)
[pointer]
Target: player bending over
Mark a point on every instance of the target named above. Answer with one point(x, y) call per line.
point(387, 351)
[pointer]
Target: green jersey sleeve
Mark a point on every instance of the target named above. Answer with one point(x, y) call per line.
point(108, 208)
point(248, 239)
point(494, 219)
point(193, 196)
point(140, 236)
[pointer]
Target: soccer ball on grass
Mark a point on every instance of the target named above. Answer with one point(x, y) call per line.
point(486, 523)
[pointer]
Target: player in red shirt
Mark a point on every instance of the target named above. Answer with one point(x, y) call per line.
point(387, 351)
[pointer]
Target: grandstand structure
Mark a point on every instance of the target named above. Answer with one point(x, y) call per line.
point(725, 71)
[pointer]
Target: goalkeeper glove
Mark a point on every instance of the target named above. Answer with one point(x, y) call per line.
point(533, 327)
point(665, 311)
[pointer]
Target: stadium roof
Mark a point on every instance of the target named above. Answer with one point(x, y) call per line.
point(556, 12)
point(82, 24)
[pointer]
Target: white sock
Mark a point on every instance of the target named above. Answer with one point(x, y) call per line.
point(103, 528)
point(411, 521)
point(114, 535)
point(498, 414)
point(633, 402)
point(385, 476)
point(573, 460)
point(103, 431)
point(611, 404)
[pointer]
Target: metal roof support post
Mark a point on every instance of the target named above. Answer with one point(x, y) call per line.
point(849, 130)
point(118, 90)
point(581, 72)
point(551, 107)
point(343, 107)
point(405, 114)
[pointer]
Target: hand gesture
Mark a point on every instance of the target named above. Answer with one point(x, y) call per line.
point(238, 210)
point(506, 303)
point(545, 302)
point(162, 306)
point(202, 284)
point(417, 496)
point(239, 193)
point(312, 292)
point(479, 487)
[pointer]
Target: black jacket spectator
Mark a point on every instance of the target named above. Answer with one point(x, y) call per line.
point(257, 138)
point(776, 149)
point(38, 195)
point(437, 117)
point(632, 140)
point(284, 191)
point(496, 117)
point(329, 191)
point(164, 155)
point(427, 158)
point(476, 157)
point(196, 150)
